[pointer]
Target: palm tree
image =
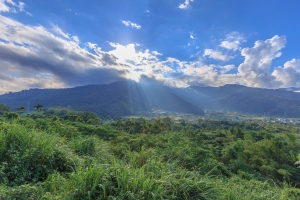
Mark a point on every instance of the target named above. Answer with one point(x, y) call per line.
point(38, 107)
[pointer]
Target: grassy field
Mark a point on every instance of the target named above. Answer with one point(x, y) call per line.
point(59, 157)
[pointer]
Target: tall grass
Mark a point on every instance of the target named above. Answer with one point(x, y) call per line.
point(29, 156)
point(48, 164)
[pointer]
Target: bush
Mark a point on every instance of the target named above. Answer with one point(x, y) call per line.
point(4, 109)
point(29, 156)
point(11, 115)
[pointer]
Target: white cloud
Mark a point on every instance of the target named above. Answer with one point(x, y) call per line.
point(133, 25)
point(253, 72)
point(124, 53)
point(32, 56)
point(289, 75)
point(198, 73)
point(28, 52)
point(258, 60)
point(230, 45)
point(218, 55)
point(10, 83)
point(185, 5)
point(4, 7)
point(11, 2)
point(10, 6)
point(144, 62)
point(21, 7)
point(91, 45)
point(192, 35)
point(57, 30)
point(233, 41)
point(226, 68)
point(31, 51)
point(76, 39)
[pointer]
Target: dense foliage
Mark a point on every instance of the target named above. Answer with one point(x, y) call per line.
point(64, 154)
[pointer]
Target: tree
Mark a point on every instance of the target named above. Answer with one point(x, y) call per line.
point(4, 109)
point(38, 107)
point(73, 118)
point(11, 115)
point(22, 109)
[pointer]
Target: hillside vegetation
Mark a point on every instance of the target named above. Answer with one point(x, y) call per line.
point(125, 98)
point(64, 154)
point(121, 98)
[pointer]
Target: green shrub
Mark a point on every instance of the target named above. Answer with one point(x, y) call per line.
point(4, 109)
point(29, 156)
point(12, 115)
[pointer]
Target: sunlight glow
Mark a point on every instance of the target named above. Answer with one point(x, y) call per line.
point(124, 53)
point(133, 75)
point(127, 55)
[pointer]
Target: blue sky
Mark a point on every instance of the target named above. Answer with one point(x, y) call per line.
point(53, 44)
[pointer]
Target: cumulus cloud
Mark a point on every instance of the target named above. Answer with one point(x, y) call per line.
point(254, 71)
point(198, 73)
point(233, 41)
point(185, 5)
point(218, 55)
point(33, 56)
point(27, 52)
point(289, 75)
point(143, 62)
point(234, 45)
point(226, 68)
point(133, 25)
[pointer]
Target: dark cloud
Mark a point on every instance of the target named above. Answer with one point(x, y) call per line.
point(95, 76)
point(66, 69)
point(109, 59)
point(48, 55)
point(32, 52)
point(4, 77)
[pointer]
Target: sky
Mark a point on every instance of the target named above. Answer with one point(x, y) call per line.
point(178, 43)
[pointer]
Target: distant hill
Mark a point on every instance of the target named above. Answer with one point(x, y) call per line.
point(115, 99)
point(293, 89)
point(244, 99)
point(130, 98)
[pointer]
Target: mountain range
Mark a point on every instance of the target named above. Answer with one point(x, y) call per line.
point(130, 98)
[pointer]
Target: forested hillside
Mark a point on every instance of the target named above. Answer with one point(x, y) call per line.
point(243, 99)
point(116, 99)
point(66, 154)
point(125, 98)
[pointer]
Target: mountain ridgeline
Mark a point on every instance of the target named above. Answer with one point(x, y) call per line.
point(131, 98)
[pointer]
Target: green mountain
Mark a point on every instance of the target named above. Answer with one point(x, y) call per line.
point(115, 99)
point(243, 99)
point(130, 98)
